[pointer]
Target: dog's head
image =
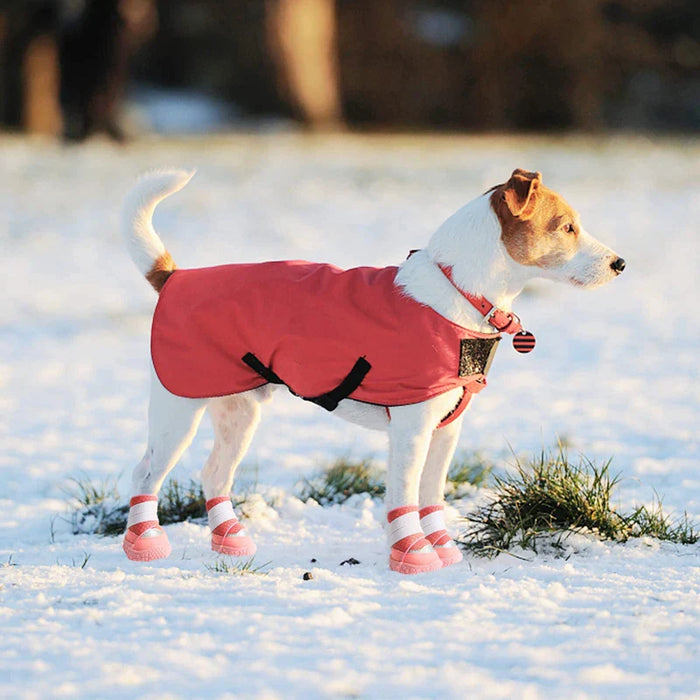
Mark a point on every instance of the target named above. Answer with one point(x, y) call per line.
point(540, 229)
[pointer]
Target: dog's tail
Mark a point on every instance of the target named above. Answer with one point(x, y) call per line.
point(144, 245)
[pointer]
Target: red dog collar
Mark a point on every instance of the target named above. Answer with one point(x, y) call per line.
point(502, 321)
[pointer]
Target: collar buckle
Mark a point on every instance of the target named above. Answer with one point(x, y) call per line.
point(488, 315)
point(503, 321)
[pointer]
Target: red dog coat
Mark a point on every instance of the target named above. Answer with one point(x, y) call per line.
point(326, 333)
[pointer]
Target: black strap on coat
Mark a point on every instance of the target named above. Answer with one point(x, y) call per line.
point(330, 399)
point(265, 372)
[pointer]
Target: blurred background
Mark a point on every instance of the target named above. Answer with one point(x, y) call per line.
point(70, 68)
point(345, 131)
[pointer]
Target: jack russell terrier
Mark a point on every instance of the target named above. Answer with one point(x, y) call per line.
point(401, 349)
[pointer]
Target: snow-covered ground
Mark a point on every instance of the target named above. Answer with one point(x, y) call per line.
point(615, 374)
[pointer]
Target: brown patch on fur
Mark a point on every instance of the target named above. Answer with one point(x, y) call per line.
point(519, 189)
point(162, 268)
point(534, 221)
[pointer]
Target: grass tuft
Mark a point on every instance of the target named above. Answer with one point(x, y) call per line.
point(471, 470)
point(91, 493)
point(342, 480)
point(653, 522)
point(97, 509)
point(238, 568)
point(177, 503)
point(551, 496)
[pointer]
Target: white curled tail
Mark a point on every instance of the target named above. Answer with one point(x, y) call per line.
point(143, 243)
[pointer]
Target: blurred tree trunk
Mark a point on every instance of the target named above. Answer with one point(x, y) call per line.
point(41, 112)
point(29, 69)
point(3, 65)
point(302, 35)
point(532, 71)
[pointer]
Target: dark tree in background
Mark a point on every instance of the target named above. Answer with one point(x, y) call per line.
point(29, 75)
point(91, 89)
point(426, 64)
point(64, 63)
point(521, 64)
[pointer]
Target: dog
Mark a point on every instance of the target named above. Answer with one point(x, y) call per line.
point(401, 349)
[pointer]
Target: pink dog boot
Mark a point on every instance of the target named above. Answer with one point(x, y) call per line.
point(228, 536)
point(145, 539)
point(410, 552)
point(432, 523)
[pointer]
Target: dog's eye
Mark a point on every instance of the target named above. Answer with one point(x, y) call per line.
point(569, 228)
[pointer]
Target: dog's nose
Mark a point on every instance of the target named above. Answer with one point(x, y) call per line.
point(618, 265)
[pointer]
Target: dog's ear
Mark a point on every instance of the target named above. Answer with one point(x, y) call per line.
point(518, 191)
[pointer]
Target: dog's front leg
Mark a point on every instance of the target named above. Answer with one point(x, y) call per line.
point(410, 436)
point(432, 492)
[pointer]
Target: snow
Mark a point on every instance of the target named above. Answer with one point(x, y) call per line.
point(615, 373)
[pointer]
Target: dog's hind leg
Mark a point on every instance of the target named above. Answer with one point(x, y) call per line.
point(432, 492)
point(235, 419)
point(172, 423)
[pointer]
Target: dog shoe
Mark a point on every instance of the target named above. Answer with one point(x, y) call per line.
point(151, 544)
point(145, 539)
point(228, 536)
point(235, 545)
point(433, 525)
point(410, 552)
point(449, 552)
point(415, 561)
